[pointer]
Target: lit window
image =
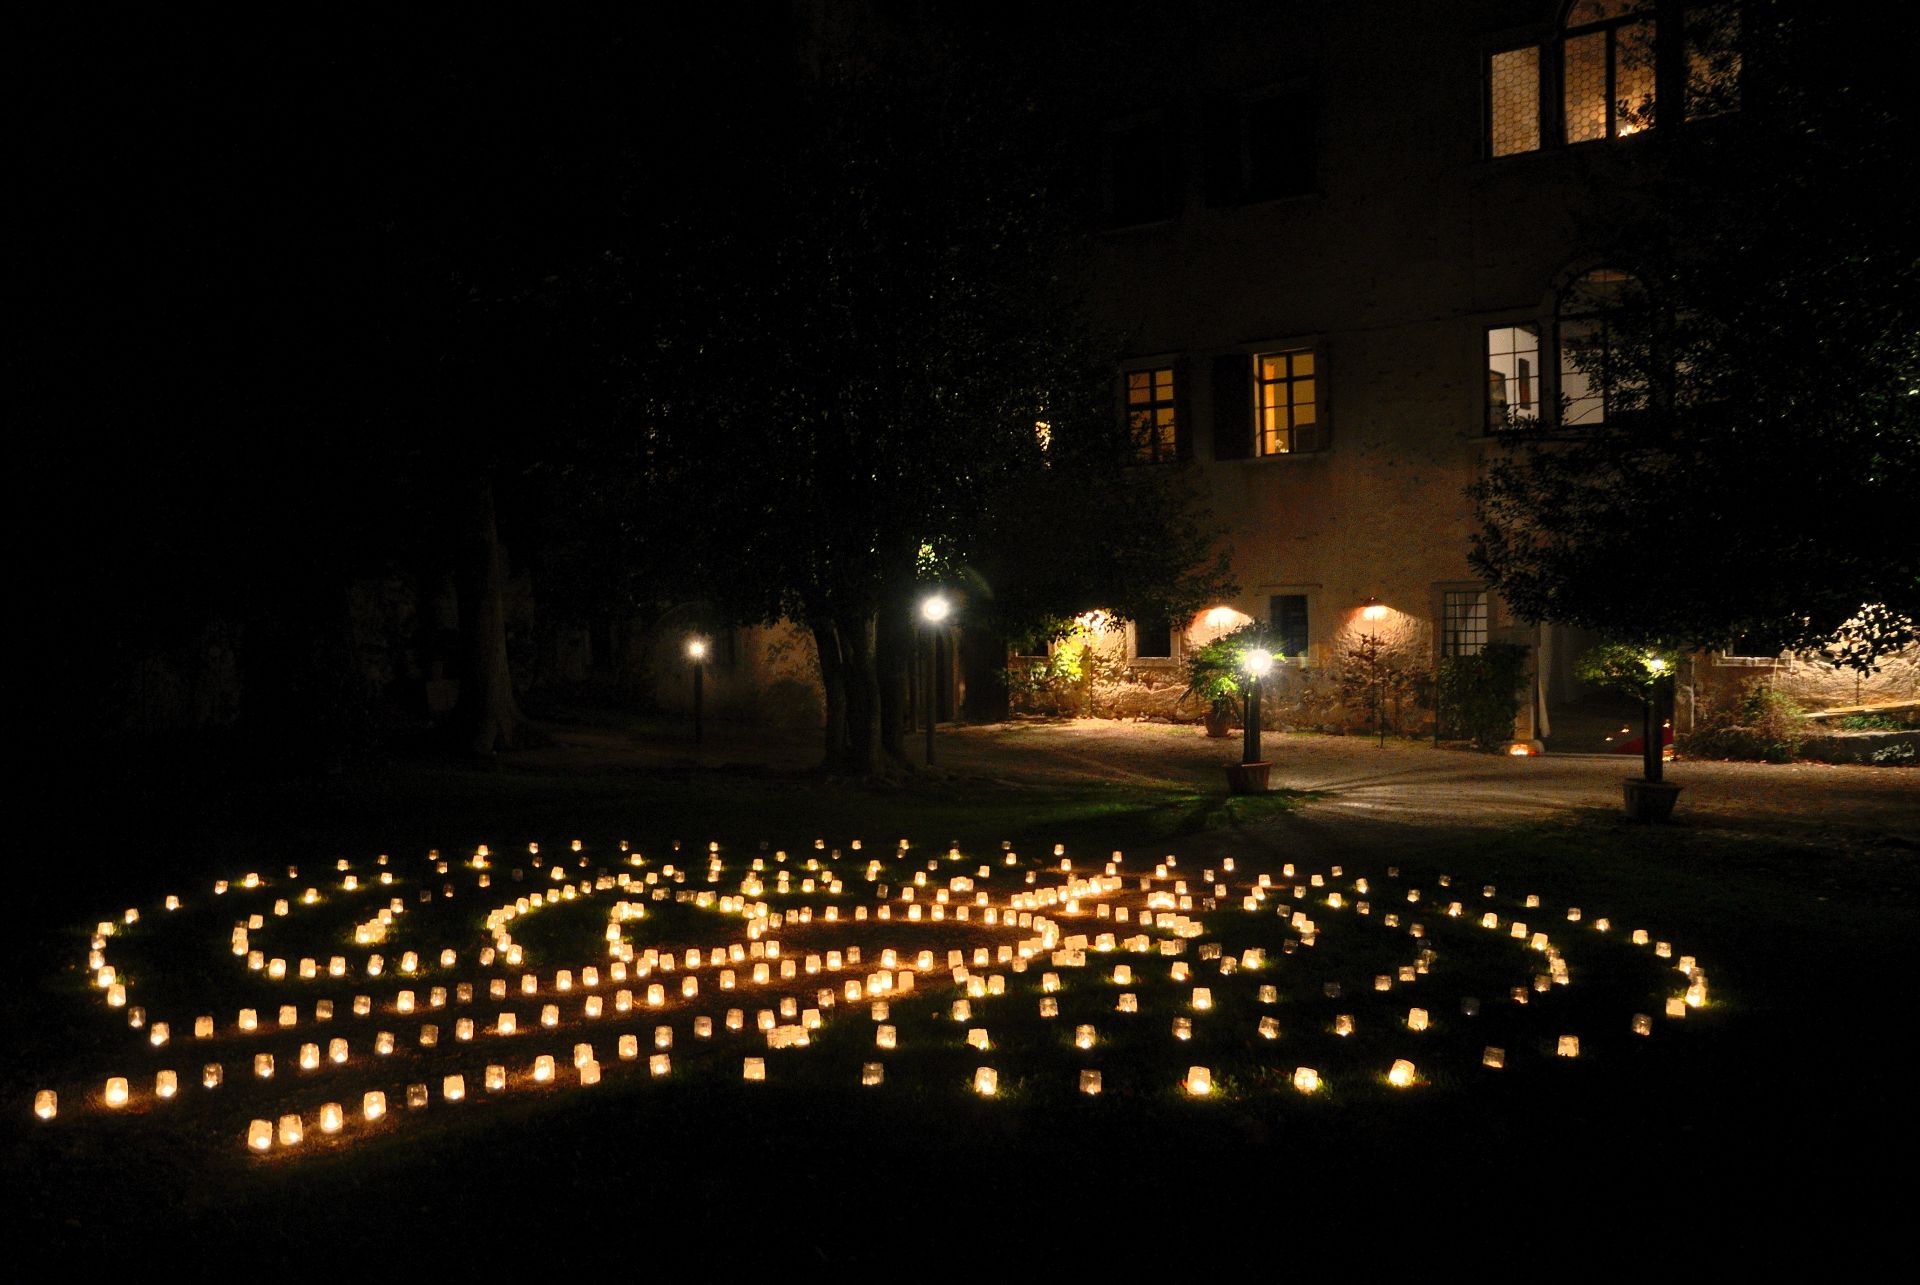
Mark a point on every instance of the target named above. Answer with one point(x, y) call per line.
point(1607, 69)
point(1286, 399)
point(1463, 622)
point(1513, 101)
point(1590, 390)
point(1152, 416)
point(1713, 58)
point(1513, 376)
point(1602, 71)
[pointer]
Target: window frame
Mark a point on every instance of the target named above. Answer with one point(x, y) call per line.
point(1648, 13)
point(1298, 659)
point(1671, 76)
point(1176, 404)
point(1542, 116)
point(1443, 616)
point(1176, 646)
point(1315, 347)
point(1550, 322)
point(1543, 350)
point(1607, 383)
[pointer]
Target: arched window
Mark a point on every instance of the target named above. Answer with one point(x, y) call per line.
point(1607, 69)
point(1591, 385)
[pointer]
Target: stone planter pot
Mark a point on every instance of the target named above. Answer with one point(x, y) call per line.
point(1219, 721)
point(1649, 800)
point(1248, 778)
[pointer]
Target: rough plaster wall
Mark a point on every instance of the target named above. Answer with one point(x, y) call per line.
point(1816, 685)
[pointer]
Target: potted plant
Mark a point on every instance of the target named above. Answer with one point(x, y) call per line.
point(1646, 675)
point(1213, 676)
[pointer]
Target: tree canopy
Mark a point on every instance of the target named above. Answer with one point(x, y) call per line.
point(1756, 470)
point(867, 379)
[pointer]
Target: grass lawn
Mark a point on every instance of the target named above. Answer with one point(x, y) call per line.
point(1767, 1104)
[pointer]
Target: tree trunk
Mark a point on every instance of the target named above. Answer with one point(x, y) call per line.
point(895, 665)
point(487, 715)
point(862, 752)
point(833, 682)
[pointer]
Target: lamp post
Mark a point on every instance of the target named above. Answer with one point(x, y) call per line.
point(1249, 775)
point(1258, 663)
point(933, 610)
point(697, 653)
point(1652, 749)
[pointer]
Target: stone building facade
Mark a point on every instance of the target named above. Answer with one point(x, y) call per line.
point(1348, 245)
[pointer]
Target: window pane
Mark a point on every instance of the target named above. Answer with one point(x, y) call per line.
point(1287, 612)
point(1586, 11)
point(1152, 415)
point(1286, 400)
point(1585, 76)
point(1633, 78)
point(1153, 638)
point(1463, 622)
point(1514, 90)
point(1713, 59)
point(1513, 363)
point(1580, 375)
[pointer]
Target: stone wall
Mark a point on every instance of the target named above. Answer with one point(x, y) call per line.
point(1813, 683)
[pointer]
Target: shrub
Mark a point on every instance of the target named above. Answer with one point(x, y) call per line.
point(1378, 680)
point(1214, 671)
point(1480, 695)
point(1748, 722)
point(1871, 723)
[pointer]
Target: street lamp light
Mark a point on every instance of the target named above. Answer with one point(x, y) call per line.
point(1258, 662)
point(934, 609)
point(697, 653)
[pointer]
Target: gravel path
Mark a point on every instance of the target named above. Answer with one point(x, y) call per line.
point(1415, 786)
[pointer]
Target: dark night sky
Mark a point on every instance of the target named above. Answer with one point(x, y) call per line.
point(246, 244)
